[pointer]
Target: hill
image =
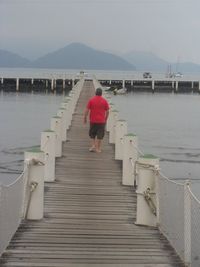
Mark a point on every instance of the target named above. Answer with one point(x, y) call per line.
point(146, 61)
point(80, 56)
point(12, 60)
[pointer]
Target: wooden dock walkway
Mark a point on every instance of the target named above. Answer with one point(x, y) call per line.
point(89, 216)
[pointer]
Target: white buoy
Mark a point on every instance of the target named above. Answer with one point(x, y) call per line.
point(48, 145)
point(35, 194)
point(146, 191)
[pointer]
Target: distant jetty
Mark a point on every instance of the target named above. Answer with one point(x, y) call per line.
point(132, 84)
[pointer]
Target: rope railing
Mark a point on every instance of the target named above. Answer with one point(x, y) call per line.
point(161, 201)
point(11, 203)
point(23, 198)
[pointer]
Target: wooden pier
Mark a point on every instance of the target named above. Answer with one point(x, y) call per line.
point(89, 216)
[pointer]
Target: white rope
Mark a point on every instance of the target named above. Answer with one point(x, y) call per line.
point(27, 163)
point(192, 194)
point(169, 180)
point(138, 150)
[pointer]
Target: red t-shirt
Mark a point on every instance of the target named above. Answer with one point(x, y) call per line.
point(98, 107)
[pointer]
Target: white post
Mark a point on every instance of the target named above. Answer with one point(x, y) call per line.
point(176, 86)
point(56, 127)
point(35, 184)
point(108, 123)
point(62, 114)
point(146, 191)
point(121, 130)
point(130, 155)
point(17, 84)
point(65, 105)
point(114, 114)
point(153, 85)
point(48, 145)
point(52, 84)
point(187, 225)
point(63, 83)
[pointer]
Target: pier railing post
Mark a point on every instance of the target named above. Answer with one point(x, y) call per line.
point(35, 194)
point(108, 123)
point(146, 191)
point(130, 156)
point(48, 146)
point(121, 130)
point(187, 225)
point(65, 105)
point(56, 127)
point(114, 114)
point(62, 114)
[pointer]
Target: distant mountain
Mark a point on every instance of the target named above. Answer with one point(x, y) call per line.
point(80, 56)
point(146, 61)
point(186, 67)
point(12, 60)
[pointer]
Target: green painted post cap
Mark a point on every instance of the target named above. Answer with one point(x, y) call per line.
point(49, 131)
point(34, 150)
point(62, 109)
point(56, 117)
point(115, 110)
point(121, 120)
point(149, 156)
point(130, 134)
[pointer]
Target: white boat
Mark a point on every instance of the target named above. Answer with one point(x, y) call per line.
point(121, 91)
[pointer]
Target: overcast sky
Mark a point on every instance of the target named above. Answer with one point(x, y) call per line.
point(168, 28)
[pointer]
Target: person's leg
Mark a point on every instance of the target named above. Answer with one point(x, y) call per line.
point(93, 145)
point(98, 145)
point(100, 135)
point(92, 134)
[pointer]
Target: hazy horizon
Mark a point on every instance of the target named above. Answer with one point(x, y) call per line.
point(167, 28)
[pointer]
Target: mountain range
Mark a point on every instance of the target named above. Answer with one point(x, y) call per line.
point(80, 56)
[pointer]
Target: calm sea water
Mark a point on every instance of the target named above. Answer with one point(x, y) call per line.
point(22, 119)
point(168, 126)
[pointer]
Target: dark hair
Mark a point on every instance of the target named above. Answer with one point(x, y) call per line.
point(98, 91)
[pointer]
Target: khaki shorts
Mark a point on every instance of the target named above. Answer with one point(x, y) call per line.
point(97, 130)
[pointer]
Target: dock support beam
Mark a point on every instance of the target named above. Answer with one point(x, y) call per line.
point(17, 84)
point(153, 86)
point(176, 88)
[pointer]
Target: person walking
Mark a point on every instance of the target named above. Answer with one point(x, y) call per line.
point(98, 110)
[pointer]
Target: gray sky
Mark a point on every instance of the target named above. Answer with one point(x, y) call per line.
point(168, 28)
